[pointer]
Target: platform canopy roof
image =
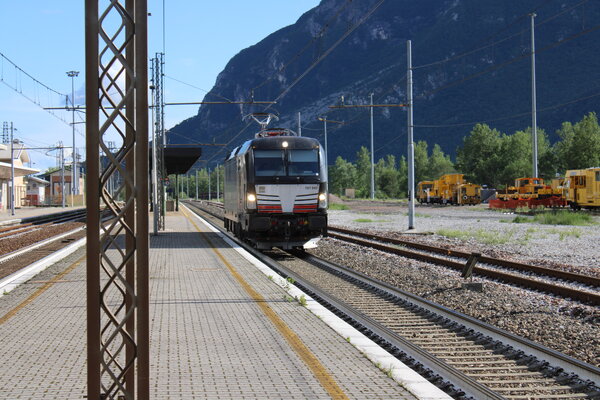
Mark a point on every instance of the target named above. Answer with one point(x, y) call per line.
point(19, 170)
point(179, 159)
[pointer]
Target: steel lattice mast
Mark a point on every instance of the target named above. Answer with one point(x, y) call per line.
point(117, 248)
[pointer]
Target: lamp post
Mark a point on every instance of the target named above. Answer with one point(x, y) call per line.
point(534, 138)
point(325, 121)
point(74, 178)
point(372, 154)
point(12, 172)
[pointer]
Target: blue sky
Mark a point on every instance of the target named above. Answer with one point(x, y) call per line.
point(46, 39)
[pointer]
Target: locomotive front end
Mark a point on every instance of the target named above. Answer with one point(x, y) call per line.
point(287, 193)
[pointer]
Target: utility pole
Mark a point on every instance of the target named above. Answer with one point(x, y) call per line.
point(299, 125)
point(209, 194)
point(325, 121)
point(187, 181)
point(372, 155)
point(218, 191)
point(155, 207)
point(533, 100)
point(411, 146)
point(75, 182)
point(371, 106)
point(196, 173)
point(62, 173)
point(12, 172)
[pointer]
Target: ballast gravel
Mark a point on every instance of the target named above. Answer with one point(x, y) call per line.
point(570, 327)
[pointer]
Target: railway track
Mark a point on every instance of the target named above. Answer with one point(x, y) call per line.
point(588, 294)
point(573, 286)
point(462, 355)
point(24, 244)
point(30, 224)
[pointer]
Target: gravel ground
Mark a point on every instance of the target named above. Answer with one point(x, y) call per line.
point(566, 326)
point(18, 241)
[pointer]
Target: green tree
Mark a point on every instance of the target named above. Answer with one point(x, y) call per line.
point(580, 144)
point(480, 157)
point(421, 162)
point(363, 172)
point(387, 179)
point(439, 163)
point(403, 177)
point(342, 175)
point(516, 152)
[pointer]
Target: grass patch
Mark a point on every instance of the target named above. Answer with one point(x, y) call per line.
point(419, 215)
point(520, 219)
point(481, 235)
point(302, 300)
point(369, 220)
point(563, 234)
point(563, 217)
point(337, 206)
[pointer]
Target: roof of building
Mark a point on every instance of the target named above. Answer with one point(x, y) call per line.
point(5, 169)
point(38, 180)
point(179, 159)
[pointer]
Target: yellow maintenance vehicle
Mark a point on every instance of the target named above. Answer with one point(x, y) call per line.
point(449, 189)
point(582, 188)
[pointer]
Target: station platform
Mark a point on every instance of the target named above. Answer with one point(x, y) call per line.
point(220, 329)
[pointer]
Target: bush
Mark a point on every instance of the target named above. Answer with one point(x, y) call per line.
point(564, 217)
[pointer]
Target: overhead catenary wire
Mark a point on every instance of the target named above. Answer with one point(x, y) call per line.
point(514, 116)
point(511, 61)
point(495, 43)
point(328, 51)
point(208, 92)
point(318, 36)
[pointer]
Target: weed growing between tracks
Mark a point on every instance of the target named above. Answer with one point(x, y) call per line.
point(481, 235)
point(336, 206)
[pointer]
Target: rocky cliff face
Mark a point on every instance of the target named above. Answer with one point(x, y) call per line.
point(471, 63)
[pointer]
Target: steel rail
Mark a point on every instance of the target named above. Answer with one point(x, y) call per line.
point(570, 276)
point(569, 364)
point(562, 291)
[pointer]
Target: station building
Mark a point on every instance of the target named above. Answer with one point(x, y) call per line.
point(20, 159)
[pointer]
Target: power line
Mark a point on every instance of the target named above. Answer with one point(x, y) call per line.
point(491, 69)
point(329, 50)
point(475, 50)
point(514, 116)
point(27, 74)
point(196, 87)
point(318, 36)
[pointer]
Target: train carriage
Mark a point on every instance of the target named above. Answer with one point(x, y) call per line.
point(276, 191)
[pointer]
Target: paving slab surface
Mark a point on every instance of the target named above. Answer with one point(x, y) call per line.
point(209, 338)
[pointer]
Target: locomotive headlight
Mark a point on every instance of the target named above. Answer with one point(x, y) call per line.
point(251, 201)
point(285, 144)
point(323, 200)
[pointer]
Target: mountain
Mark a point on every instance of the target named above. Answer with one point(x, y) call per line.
point(471, 63)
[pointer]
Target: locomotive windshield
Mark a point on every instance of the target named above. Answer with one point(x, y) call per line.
point(269, 162)
point(293, 162)
point(303, 162)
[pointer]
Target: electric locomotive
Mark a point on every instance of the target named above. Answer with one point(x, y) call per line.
point(276, 190)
